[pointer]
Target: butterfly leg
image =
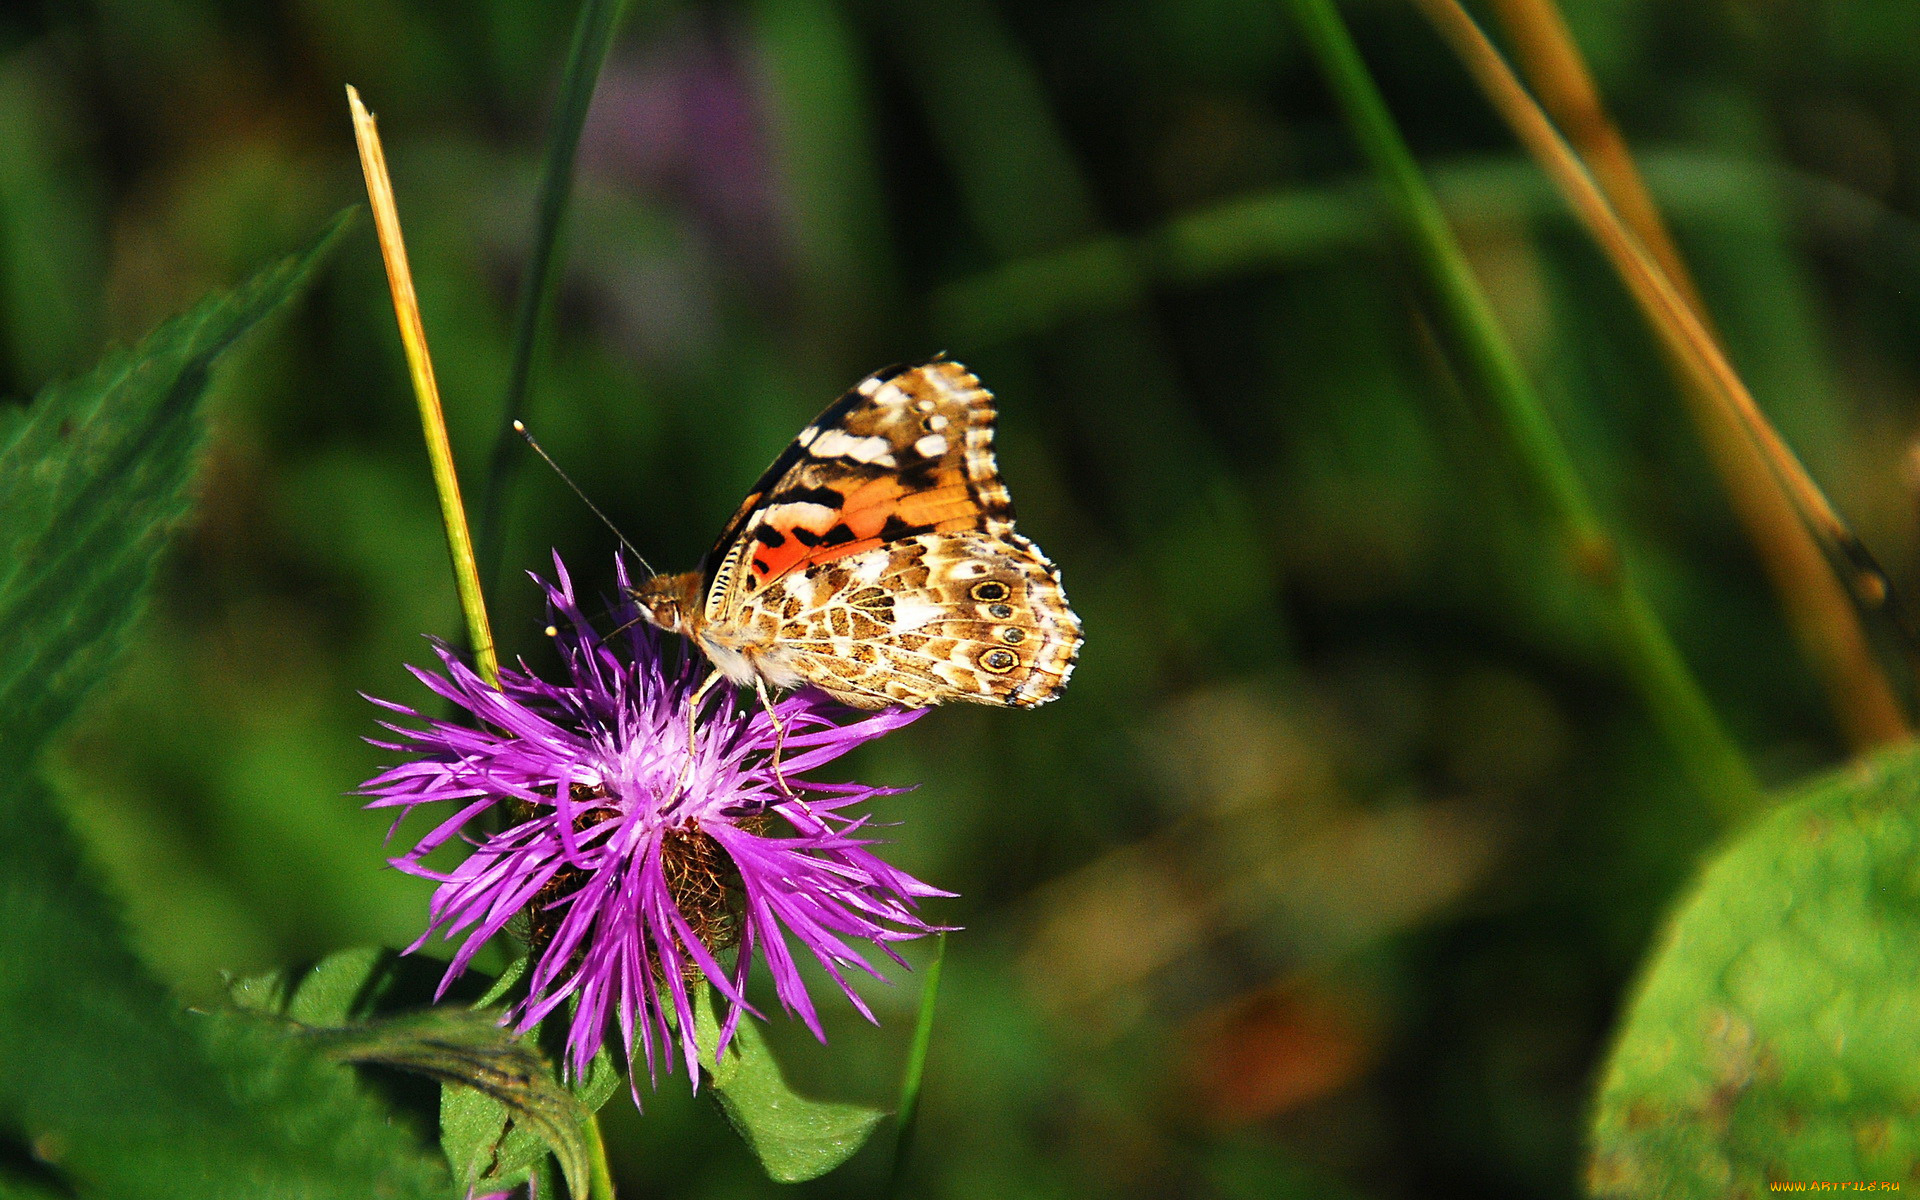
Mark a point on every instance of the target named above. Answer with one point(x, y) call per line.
point(779, 736)
point(693, 726)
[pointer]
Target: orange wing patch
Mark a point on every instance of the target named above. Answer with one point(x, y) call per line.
point(902, 454)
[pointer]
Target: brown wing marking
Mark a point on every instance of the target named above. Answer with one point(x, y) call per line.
point(937, 617)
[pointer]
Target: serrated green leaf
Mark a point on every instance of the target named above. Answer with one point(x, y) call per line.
point(795, 1139)
point(469, 1049)
point(1774, 1036)
point(92, 482)
point(118, 1092)
point(122, 1091)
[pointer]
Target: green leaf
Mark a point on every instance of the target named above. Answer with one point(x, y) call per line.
point(489, 1147)
point(118, 1092)
point(504, 984)
point(503, 1109)
point(486, 1150)
point(116, 1088)
point(92, 482)
point(795, 1138)
point(492, 1146)
point(1774, 1036)
point(469, 1049)
point(330, 992)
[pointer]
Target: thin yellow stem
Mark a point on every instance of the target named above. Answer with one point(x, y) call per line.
point(433, 421)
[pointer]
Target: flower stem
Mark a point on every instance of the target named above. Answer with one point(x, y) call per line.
point(413, 336)
point(592, 38)
point(600, 1178)
point(909, 1112)
point(1708, 755)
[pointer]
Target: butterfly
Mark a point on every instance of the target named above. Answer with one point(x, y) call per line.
point(876, 560)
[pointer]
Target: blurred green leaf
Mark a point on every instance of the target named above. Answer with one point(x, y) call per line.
point(102, 1077)
point(51, 252)
point(1773, 1037)
point(92, 483)
point(795, 1139)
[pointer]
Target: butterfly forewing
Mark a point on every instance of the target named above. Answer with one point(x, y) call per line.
point(905, 452)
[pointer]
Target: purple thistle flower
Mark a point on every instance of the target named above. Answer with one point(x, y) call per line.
point(638, 861)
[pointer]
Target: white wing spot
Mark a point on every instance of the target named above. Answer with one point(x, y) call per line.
point(910, 615)
point(930, 446)
point(934, 423)
point(803, 514)
point(838, 443)
point(868, 386)
point(800, 587)
point(925, 404)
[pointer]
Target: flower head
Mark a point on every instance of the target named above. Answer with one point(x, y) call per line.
point(639, 855)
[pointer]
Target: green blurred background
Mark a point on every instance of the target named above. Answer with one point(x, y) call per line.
point(1329, 874)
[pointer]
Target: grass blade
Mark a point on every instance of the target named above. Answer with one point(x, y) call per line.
point(908, 1117)
point(1708, 755)
point(433, 421)
point(592, 38)
point(1823, 617)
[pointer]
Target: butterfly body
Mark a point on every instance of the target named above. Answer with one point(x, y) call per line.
point(877, 560)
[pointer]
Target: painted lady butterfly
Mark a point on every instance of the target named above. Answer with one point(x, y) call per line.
point(876, 560)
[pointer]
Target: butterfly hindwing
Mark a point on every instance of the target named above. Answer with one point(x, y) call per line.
point(931, 618)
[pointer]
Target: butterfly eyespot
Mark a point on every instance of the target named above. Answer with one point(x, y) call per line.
point(990, 589)
point(999, 661)
point(999, 612)
point(1013, 637)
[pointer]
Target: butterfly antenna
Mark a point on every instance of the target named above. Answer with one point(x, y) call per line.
point(567, 479)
